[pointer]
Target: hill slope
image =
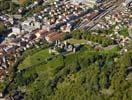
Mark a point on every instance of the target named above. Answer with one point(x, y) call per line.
point(85, 75)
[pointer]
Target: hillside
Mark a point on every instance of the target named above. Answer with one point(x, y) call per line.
point(85, 75)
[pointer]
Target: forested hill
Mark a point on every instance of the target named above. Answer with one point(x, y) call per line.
point(89, 74)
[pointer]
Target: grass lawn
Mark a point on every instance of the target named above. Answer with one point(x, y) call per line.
point(75, 41)
point(48, 68)
point(35, 58)
point(55, 62)
point(2, 85)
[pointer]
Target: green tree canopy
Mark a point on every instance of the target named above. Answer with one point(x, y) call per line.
point(2, 27)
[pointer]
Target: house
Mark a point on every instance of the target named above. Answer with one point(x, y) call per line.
point(27, 28)
point(41, 33)
point(11, 20)
point(37, 25)
point(16, 30)
point(52, 37)
point(46, 27)
point(67, 28)
point(28, 21)
point(17, 16)
point(30, 25)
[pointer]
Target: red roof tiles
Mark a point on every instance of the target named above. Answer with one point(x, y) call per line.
point(54, 36)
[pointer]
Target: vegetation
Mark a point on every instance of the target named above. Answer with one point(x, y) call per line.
point(89, 73)
point(124, 31)
point(81, 36)
point(34, 59)
point(4, 5)
point(2, 27)
point(8, 6)
point(86, 74)
point(75, 41)
point(101, 39)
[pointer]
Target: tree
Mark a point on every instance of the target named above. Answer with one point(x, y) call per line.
point(2, 27)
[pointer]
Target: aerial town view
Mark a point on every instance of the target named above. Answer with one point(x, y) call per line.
point(65, 49)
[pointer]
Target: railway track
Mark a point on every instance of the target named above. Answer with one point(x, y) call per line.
point(87, 25)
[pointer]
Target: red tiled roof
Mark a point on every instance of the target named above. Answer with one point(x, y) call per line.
point(52, 34)
point(55, 36)
point(43, 31)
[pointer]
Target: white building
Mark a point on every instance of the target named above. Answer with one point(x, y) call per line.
point(16, 30)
